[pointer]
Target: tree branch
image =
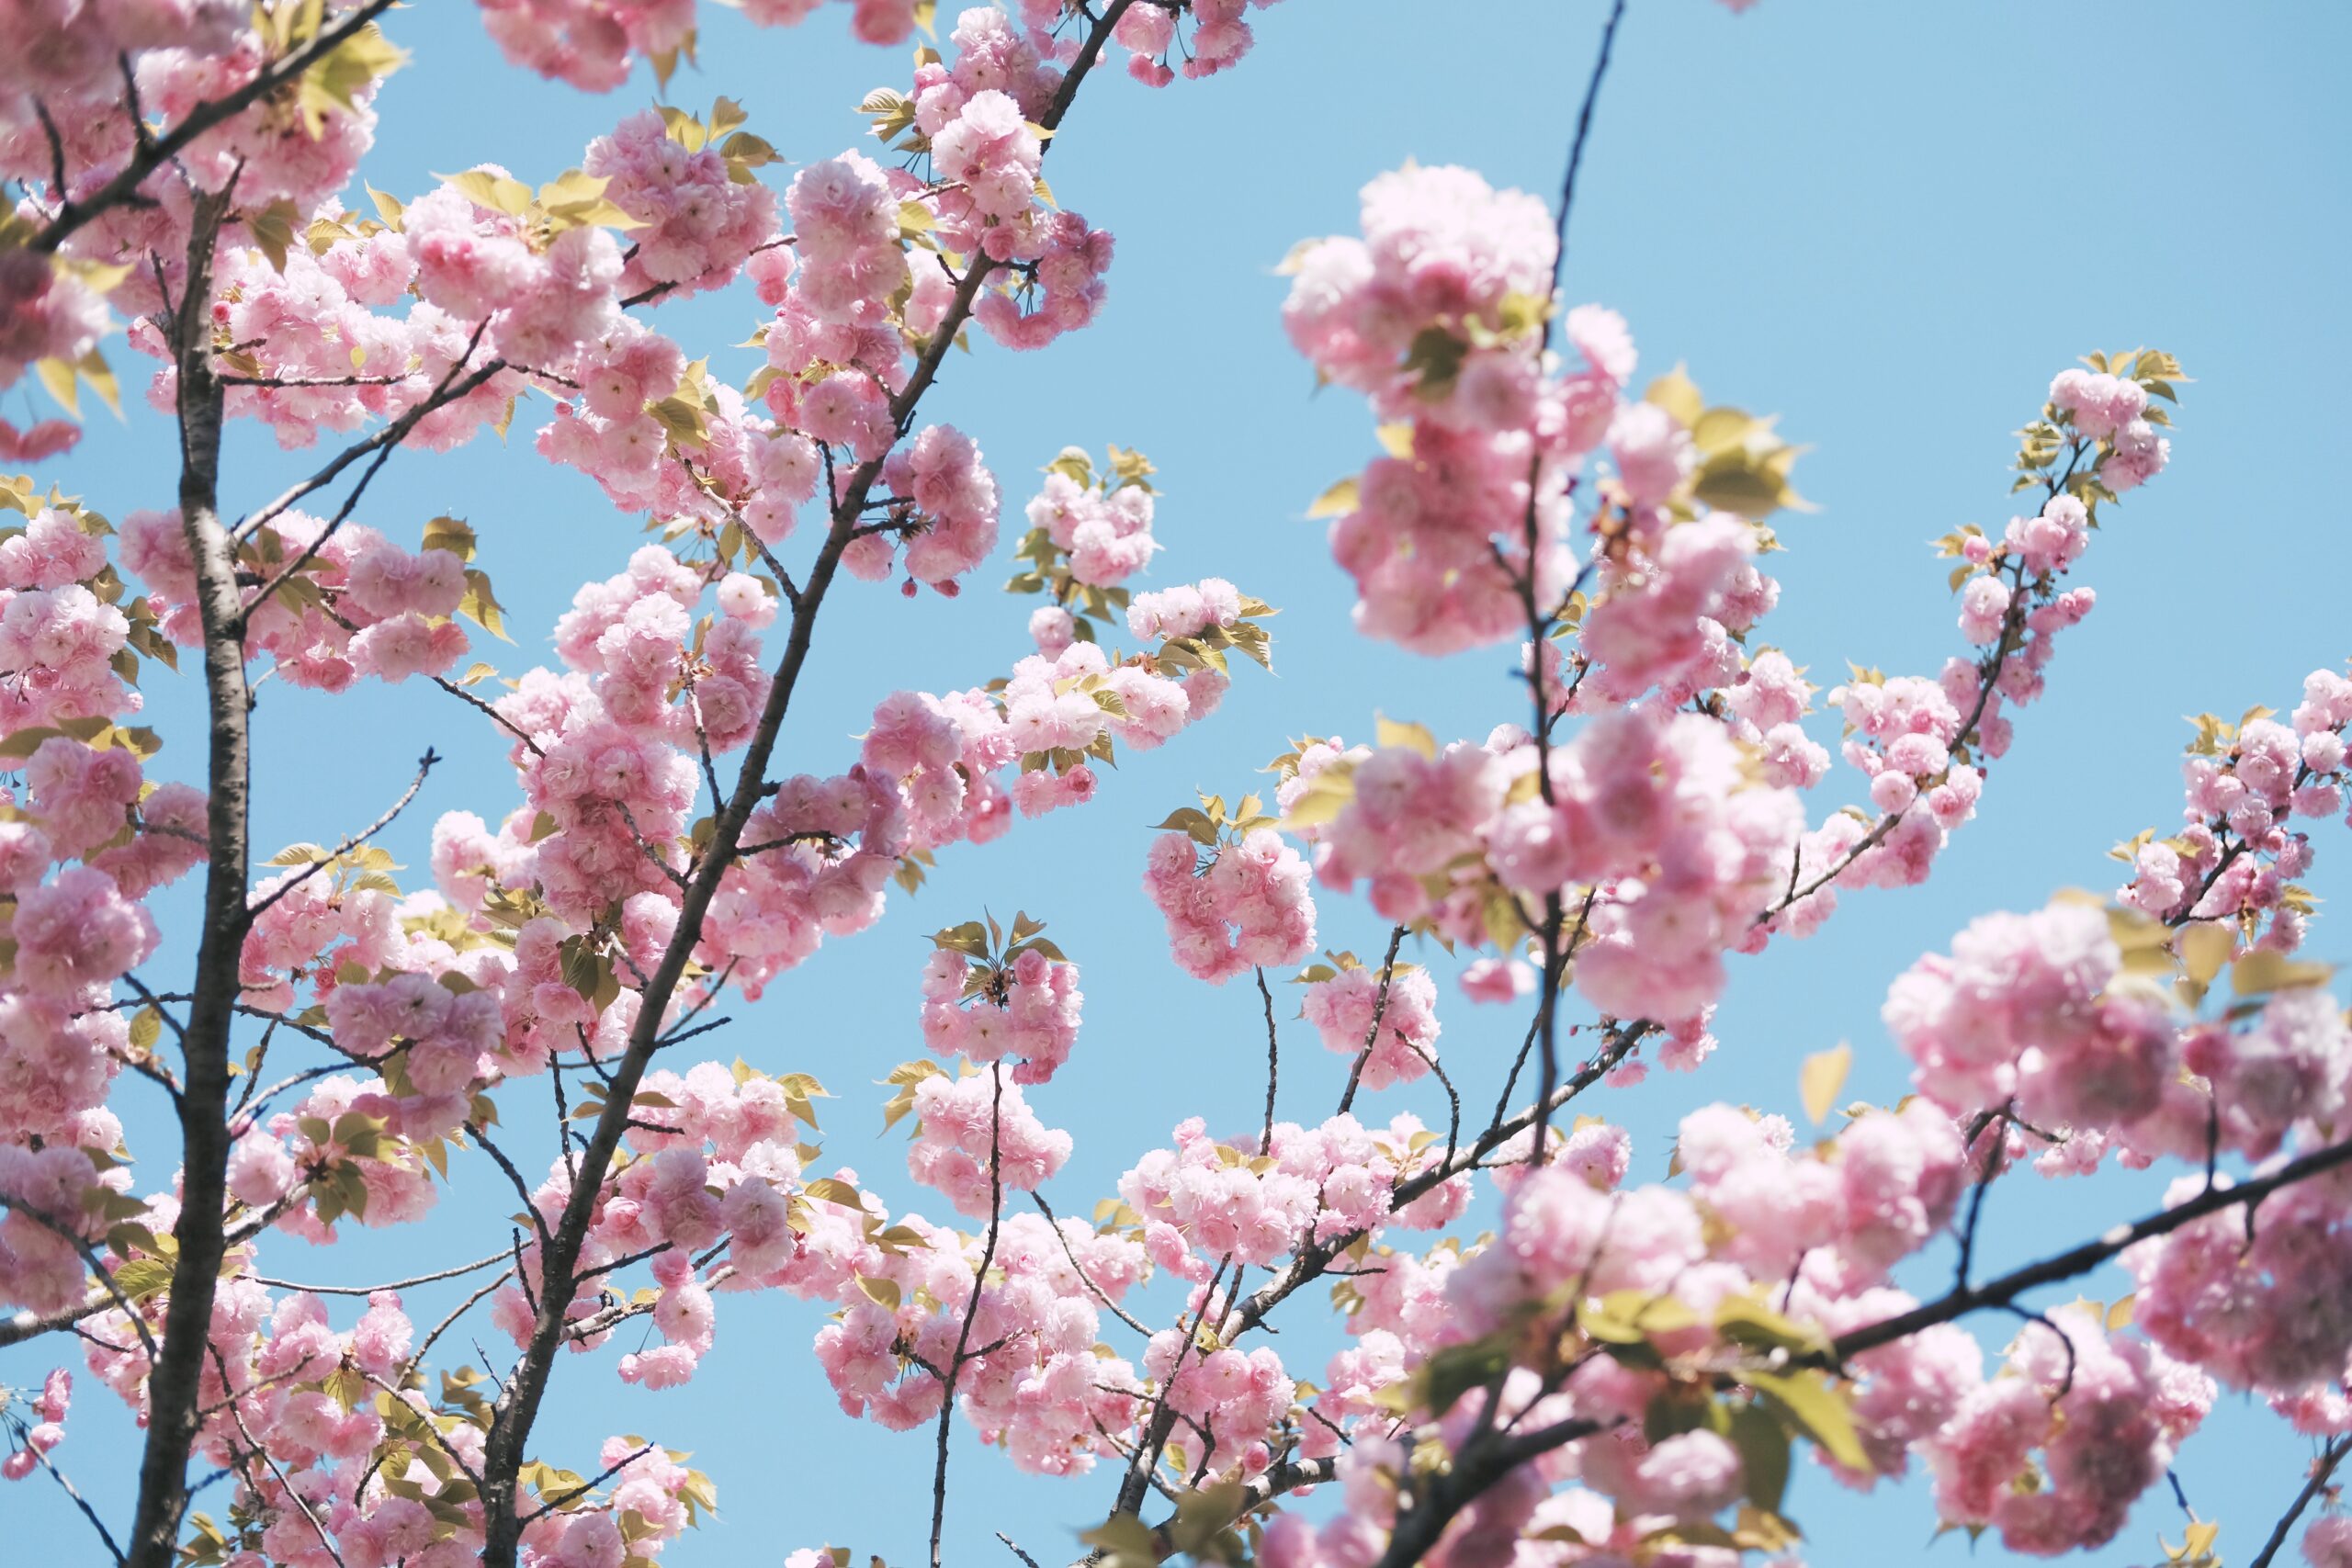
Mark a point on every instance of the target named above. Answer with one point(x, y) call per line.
point(173, 1383)
point(151, 153)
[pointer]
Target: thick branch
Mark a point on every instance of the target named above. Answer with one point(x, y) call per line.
point(173, 1383)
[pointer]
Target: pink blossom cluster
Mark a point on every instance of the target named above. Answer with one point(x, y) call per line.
point(592, 44)
point(1654, 814)
point(98, 805)
point(974, 1136)
point(283, 1377)
point(84, 838)
point(1059, 287)
point(1204, 1199)
point(1880, 1192)
point(714, 1158)
point(1675, 597)
point(376, 609)
point(618, 799)
point(1435, 315)
point(37, 442)
point(1051, 705)
point(53, 1197)
point(329, 357)
point(67, 80)
point(1155, 35)
point(1105, 530)
point(45, 313)
point(1028, 1009)
point(1032, 1375)
point(1185, 610)
point(845, 228)
point(948, 516)
point(589, 44)
point(1920, 742)
point(2238, 857)
point(984, 160)
point(2265, 1311)
point(2111, 408)
point(698, 224)
point(2036, 1015)
point(2053, 1456)
point(479, 264)
point(942, 753)
point(70, 61)
point(1767, 704)
point(825, 851)
point(361, 1125)
point(268, 154)
point(1248, 905)
point(992, 54)
point(1409, 818)
point(442, 1035)
point(730, 462)
point(1404, 997)
point(2105, 1415)
point(2021, 1012)
point(651, 1504)
point(655, 667)
point(1237, 1401)
point(49, 1407)
point(59, 641)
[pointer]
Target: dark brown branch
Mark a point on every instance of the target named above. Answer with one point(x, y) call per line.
point(1273, 1062)
point(2322, 1468)
point(173, 1384)
point(1379, 1011)
point(152, 152)
point(2001, 1291)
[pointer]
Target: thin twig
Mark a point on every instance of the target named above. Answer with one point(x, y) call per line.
point(972, 1311)
point(424, 765)
point(2322, 1468)
point(498, 1256)
point(1379, 1010)
point(1273, 1062)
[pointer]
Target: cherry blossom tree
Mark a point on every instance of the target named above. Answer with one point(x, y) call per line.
point(1617, 1372)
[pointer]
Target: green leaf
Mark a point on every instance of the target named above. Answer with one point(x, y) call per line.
point(1124, 1542)
point(1763, 1446)
point(144, 1277)
point(1811, 1404)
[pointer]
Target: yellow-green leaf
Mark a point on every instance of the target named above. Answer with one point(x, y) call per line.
point(1823, 1075)
point(1338, 501)
point(1414, 737)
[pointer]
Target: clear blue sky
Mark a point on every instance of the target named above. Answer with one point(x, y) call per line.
point(1889, 223)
